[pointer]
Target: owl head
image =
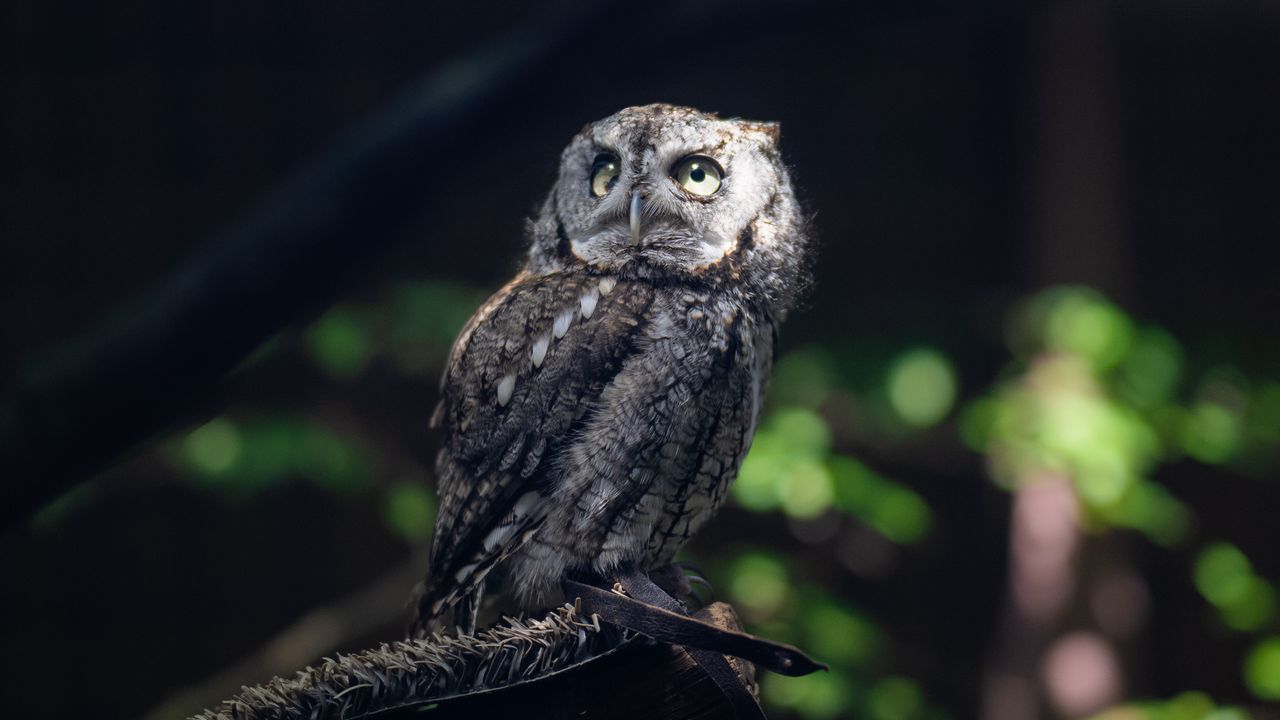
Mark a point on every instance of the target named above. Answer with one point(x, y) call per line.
point(666, 193)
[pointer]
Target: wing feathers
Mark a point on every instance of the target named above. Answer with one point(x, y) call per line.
point(522, 373)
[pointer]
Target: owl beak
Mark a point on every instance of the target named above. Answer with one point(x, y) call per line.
point(637, 206)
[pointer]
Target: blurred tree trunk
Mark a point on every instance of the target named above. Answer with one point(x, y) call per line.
point(1057, 655)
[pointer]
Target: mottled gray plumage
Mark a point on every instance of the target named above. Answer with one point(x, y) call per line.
point(596, 408)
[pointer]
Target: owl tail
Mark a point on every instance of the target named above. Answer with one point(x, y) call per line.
point(430, 609)
point(465, 588)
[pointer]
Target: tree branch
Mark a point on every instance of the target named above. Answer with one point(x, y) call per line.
point(563, 666)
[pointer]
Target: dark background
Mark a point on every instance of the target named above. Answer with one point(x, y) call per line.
point(958, 157)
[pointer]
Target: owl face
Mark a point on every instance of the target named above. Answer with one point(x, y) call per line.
point(664, 189)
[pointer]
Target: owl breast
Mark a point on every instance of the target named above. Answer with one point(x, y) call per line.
point(653, 459)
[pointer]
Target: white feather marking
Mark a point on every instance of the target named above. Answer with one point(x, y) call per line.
point(588, 302)
point(607, 285)
point(498, 537)
point(464, 572)
point(525, 505)
point(539, 351)
point(561, 325)
point(506, 386)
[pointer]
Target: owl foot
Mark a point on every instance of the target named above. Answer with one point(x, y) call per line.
point(682, 581)
point(649, 610)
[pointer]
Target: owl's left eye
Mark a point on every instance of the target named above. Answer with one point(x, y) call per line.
point(604, 173)
point(698, 175)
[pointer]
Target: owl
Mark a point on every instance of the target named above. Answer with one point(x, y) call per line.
point(597, 407)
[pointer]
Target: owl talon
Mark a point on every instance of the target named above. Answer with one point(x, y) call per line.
point(680, 580)
point(696, 580)
point(672, 580)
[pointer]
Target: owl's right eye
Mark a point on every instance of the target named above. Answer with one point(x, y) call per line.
point(604, 173)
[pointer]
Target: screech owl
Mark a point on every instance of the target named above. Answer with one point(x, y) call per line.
point(596, 408)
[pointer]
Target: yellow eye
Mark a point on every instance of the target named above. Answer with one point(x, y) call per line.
point(699, 175)
point(604, 172)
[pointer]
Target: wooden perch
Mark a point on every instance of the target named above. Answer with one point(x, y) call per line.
point(562, 666)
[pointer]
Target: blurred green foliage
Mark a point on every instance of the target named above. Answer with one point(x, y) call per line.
point(776, 602)
point(243, 457)
point(891, 508)
point(759, 584)
point(248, 451)
point(791, 468)
point(1088, 393)
point(1262, 668)
point(411, 510)
point(922, 387)
point(1094, 396)
point(339, 343)
point(412, 330)
point(1187, 706)
point(1225, 577)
